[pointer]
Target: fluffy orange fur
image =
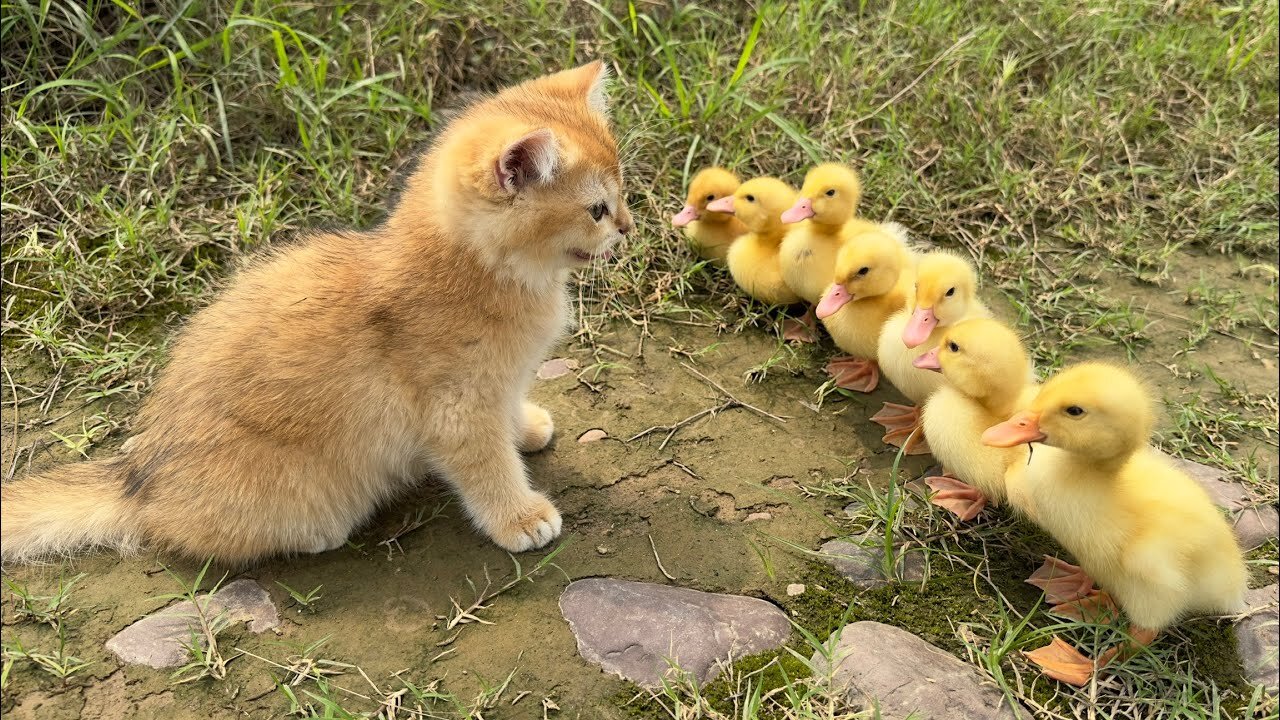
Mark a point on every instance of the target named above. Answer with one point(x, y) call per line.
point(336, 371)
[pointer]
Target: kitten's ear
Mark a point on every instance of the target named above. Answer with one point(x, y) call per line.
point(530, 160)
point(598, 86)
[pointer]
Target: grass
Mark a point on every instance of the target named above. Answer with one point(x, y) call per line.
point(1112, 170)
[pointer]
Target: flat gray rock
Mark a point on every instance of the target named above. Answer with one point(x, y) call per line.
point(1256, 525)
point(158, 639)
point(631, 628)
point(1258, 638)
point(862, 565)
point(882, 666)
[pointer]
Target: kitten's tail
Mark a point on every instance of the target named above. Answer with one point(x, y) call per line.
point(68, 509)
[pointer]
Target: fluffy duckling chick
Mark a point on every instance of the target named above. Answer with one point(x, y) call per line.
point(828, 200)
point(946, 293)
point(1143, 529)
point(753, 257)
point(709, 232)
point(986, 374)
point(873, 274)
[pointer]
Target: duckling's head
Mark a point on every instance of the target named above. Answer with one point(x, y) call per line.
point(868, 265)
point(829, 197)
point(946, 285)
point(982, 358)
point(709, 185)
point(758, 203)
point(1094, 410)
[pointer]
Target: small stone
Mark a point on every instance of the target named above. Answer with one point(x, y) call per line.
point(795, 589)
point(1258, 638)
point(558, 367)
point(158, 639)
point(757, 516)
point(861, 565)
point(603, 549)
point(592, 435)
point(1257, 525)
point(631, 628)
point(884, 667)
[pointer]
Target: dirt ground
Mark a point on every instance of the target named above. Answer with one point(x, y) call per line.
point(633, 508)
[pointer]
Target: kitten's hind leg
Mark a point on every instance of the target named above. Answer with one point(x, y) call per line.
point(536, 427)
point(479, 458)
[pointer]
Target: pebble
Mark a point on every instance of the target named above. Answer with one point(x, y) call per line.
point(887, 668)
point(630, 628)
point(158, 639)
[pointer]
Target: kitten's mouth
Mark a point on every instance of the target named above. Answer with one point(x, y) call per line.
point(585, 257)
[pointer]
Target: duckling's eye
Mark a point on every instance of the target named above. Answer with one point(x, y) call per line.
point(750, 198)
point(951, 292)
point(1074, 410)
point(831, 192)
point(864, 271)
point(711, 197)
point(598, 211)
point(953, 347)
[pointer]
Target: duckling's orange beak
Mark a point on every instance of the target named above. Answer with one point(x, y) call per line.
point(685, 216)
point(922, 322)
point(802, 210)
point(832, 300)
point(928, 361)
point(724, 205)
point(1024, 427)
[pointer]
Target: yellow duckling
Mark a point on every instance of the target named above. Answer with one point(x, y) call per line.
point(753, 257)
point(986, 373)
point(711, 233)
point(946, 293)
point(1143, 529)
point(827, 201)
point(873, 274)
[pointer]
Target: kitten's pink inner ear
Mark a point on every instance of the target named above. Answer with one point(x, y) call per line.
point(530, 160)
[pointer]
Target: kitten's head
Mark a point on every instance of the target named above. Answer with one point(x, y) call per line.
point(531, 176)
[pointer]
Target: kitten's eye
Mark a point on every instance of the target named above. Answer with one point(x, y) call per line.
point(953, 347)
point(711, 197)
point(831, 193)
point(864, 271)
point(750, 198)
point(951, 292)
point(1074, 410)
point(598, 211)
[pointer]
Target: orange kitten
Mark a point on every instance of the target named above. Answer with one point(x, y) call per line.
point(337, 371)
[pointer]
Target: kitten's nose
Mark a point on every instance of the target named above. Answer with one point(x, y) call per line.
point(625, 223)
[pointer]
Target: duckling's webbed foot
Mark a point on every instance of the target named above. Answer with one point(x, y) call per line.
point(1061, 581)
point(1062, 662)
point(1096, 607)
point(901, 421)
point(961, 498)
point(804, 330)
point(852, 373)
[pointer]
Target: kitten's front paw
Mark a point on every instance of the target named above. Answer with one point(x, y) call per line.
point(537, 428)
point(535, 525)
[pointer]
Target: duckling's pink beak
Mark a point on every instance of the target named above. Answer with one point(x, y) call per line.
point(929, 360)
point(918, 328)
point(802, 210)
point(685, 216)
point(1023, 427)
point(832, 300)
point(724, 205)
